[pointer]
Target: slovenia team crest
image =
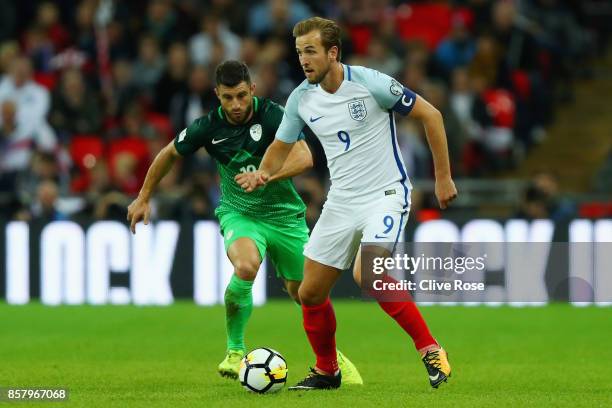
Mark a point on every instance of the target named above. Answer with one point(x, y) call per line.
point(357, 109)
point(255, 132)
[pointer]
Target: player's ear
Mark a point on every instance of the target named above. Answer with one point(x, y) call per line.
point(332, 53)
point(217, 93)
point(252, 88)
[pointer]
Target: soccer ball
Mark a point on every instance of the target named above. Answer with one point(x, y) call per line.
point(263, 370)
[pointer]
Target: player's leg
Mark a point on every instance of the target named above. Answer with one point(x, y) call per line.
point(245, 248)
point(246, 259)
point(350, 373)
point(320, 325)
point(285, 250)
point(331, 248)
point(292, 287)
point(285, 247)
point(380, 238)
point(397, 305)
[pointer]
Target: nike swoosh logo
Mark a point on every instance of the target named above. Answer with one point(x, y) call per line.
point(434, 378)
point(315, 119)
point(404, 101)
point(376, 236)
point(218, 141)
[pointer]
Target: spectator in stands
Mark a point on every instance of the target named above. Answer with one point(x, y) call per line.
point(458, 49)
point(461, 101)
point(534, 204)
point(512, 34)
point(45, 206)
point(149, 65)
point(276, 17)
point(102, 200)
point(381, 58)
point(124, 92)
point(386, 32)
point(559, 208)
point(76, 110)
point(564, 41)
point(249, 51)
point(32, 99)
point(9, 51)
point(174, 79)
point(494, 113)
point(161, 21)
point(48, 20)
point(487, 60)
point(19, 141)
point(39, 47)
point(197, 101)
point(134, 123)
point(272, 85)
point(456, 134)
point(215, 41)
point(414, 76)
point(83, 32)
point(43, 166)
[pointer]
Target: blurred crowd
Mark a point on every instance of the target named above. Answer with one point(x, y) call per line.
point(91, 90)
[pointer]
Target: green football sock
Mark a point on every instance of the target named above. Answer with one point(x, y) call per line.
point(238, 308)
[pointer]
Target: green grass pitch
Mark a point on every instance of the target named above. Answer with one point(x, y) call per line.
point(166, 357)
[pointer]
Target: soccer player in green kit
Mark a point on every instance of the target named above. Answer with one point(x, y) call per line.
point(271, 220)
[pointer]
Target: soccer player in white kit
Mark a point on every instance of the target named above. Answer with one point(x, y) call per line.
point(350, 109)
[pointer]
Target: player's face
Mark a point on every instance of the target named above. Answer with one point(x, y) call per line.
point(237, 101)
point(315, 61)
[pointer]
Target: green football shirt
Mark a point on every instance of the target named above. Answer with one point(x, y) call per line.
point(240, 148)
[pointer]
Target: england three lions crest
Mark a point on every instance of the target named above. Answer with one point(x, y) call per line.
point(357, 109)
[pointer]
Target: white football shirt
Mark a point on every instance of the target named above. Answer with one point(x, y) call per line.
point(357, 130)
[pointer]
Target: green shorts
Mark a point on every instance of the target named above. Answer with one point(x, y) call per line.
point(283, 243)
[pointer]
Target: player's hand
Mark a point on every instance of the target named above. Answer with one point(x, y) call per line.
point(137, 211)
point(252, 180)
point(445, 191)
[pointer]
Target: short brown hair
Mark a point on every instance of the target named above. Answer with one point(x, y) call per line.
point(330, 32)
point(230, 73)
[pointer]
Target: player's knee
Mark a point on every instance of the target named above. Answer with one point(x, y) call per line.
point(310, 296)
point(294, 293)
point(246, 269)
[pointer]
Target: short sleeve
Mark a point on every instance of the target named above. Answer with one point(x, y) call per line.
point(290, 129)
point(388, 93)
point(191, 138)
point(272, 116)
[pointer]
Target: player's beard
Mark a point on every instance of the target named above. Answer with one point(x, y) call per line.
point(243, 117)
point(320, 77)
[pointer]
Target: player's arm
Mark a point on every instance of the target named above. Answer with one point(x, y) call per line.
point(273, 162)
point(298, 161)
point(140, 209)
point(391, 95)
point(436, 137)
